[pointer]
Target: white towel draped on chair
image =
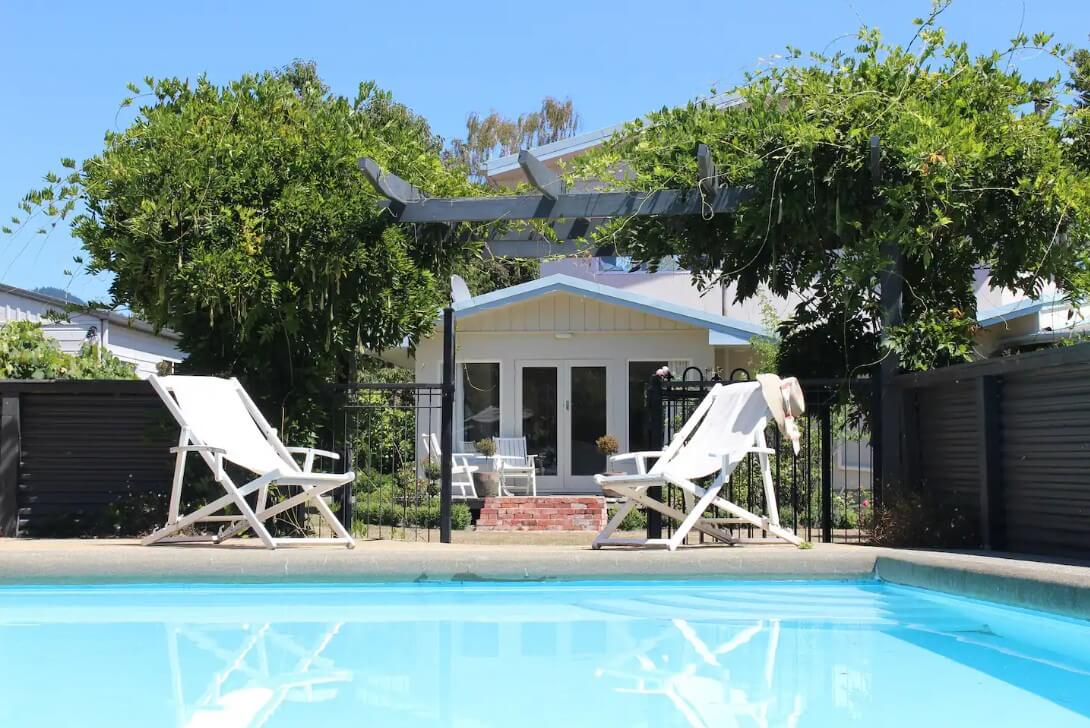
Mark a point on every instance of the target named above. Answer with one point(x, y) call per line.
point(727, 427)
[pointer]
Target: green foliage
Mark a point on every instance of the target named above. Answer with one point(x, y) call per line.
point(766, 351)
point(636, 520)
point(236, 215)
point(485, 446)
point(970, 176)
point(27, 353)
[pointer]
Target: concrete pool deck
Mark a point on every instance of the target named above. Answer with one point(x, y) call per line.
point(1049, 585)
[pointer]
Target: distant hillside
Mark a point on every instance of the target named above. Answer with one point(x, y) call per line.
point(59, 293)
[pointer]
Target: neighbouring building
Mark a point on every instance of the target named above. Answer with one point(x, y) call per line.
point(126, 337)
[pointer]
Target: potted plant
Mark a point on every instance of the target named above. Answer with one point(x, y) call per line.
point(608, 446)
point(488, 482)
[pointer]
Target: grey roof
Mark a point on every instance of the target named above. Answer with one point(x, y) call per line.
point(112, 316)
point(586, 140)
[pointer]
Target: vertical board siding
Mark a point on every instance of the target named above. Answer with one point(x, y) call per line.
point(91, 461)
point(1045, 432)
point(566, 312)
point(1042, 459)
point(948, 436)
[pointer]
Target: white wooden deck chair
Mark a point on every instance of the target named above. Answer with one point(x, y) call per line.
point(513, 463)
point(461, 472)
point(727, 426)
point(220, 422)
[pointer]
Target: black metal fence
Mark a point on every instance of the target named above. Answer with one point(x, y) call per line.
point(389, 435)
point(824, 493)
point(398, 438)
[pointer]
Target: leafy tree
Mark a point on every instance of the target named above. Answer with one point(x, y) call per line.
point(971, 176)
point(236, 216)
point(497, 135)
point(27, 353)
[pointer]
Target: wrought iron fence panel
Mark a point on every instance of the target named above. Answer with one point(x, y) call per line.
point(823, 493)
point(388, 434)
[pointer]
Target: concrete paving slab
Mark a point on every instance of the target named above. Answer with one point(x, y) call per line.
point(1050, 585)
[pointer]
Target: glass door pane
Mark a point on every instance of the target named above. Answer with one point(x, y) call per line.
point(539, 416)
point(588, 419)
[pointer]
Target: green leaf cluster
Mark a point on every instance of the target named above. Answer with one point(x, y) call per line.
point(977, 172)
point(27, 353)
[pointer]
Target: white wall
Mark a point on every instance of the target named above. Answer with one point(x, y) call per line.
point(600, 332)
point(675, 287)
point(140, 348)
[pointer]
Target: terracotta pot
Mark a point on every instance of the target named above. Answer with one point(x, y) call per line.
point(487, 484)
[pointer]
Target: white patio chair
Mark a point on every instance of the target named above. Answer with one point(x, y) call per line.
point(512, 462)
point(461, 472)
point(220, 422)
point(727, 426)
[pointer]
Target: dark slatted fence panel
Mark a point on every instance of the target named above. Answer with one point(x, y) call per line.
point(1045, 431)
point(948, 447)
point(94, 459)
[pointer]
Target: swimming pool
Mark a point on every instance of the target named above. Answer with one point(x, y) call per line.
point(580, 654)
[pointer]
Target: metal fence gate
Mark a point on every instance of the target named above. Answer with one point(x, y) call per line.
point(397, 438)
point(825, 493)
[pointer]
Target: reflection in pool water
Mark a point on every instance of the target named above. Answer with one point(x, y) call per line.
point(631, 654)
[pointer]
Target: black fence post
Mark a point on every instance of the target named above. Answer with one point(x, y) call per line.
point(446, 428)
point(10, 445)
point(655, 437)
point(348, 457)
point(826, 425)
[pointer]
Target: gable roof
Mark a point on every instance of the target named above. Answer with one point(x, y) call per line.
point(722, 331)
point(1011, 311)
point(586, 140)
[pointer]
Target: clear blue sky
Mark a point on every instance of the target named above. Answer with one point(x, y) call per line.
point(64, 65)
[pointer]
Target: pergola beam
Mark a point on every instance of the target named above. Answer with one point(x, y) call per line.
point(588, 205)
point(389, 185)
point(573, 214)
point(541, 177)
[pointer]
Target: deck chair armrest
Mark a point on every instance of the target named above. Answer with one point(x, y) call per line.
point(311, 453)
point(198, 448)
point(217, 454)
point(747, 450)
point(639, 456)
point(319, 453)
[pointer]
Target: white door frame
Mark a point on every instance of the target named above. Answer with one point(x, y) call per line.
point(564, 481)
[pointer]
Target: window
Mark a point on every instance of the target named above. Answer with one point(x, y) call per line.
point(480, 401)
point(639, 374)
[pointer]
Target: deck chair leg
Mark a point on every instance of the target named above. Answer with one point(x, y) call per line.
point(179, 476)
point(614, 523)
point(696, 512)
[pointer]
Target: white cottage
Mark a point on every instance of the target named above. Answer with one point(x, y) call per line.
point(563, 361)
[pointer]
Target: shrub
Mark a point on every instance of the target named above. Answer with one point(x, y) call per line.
point(486, 446)
point(636, 520)
point(27, 353)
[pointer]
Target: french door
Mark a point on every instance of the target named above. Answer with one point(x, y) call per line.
point(563, 409)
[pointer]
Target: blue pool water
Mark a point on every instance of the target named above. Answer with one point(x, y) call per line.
point(592, 654)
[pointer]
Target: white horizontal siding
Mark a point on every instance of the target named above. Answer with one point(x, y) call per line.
point(142, 349)
point(566, 312)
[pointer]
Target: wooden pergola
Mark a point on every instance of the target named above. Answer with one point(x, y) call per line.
point(573, 215)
